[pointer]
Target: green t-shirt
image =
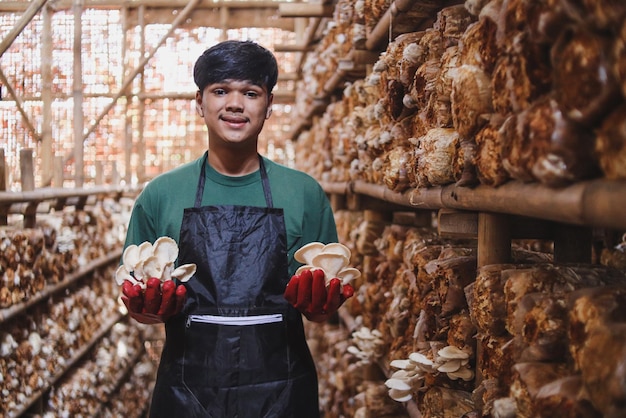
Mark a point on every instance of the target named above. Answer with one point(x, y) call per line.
point(158, 210)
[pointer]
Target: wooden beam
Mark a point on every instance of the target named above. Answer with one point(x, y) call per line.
point(305, 10)
point(19, 105)
point(292, 48)
point(233, 17)
point(494, 239)
point(20, 6)
point(30, 12)
point(179, 18)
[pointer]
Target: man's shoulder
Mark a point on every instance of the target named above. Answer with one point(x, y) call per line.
point(179, 174)
point(283, 171)
point(175, 182)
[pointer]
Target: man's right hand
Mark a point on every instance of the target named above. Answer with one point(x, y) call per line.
point(154, 306)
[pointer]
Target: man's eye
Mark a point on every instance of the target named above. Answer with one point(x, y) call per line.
point(252, 94)
point(219, 92)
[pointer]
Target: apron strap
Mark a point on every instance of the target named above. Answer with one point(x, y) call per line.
point(264, 181)
point(266, 184)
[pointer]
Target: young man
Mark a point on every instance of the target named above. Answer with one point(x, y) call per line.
point(237, 348)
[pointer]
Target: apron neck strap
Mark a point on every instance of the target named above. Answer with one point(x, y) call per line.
point(264, 181)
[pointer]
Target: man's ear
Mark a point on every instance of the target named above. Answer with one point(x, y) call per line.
point(199, 103)
point(268, 112)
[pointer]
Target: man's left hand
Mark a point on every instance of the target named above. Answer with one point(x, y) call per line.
point(308, 293)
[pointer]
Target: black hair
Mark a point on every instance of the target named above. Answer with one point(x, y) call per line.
point(236, 60)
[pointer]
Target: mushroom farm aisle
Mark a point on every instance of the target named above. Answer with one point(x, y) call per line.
point(475, 156)
point(477, 167)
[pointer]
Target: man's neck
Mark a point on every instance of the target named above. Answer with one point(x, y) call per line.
point(234, 164)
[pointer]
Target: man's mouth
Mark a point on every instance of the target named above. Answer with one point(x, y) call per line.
point(234, 119)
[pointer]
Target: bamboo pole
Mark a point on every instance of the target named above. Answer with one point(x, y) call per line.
point(27, 170)
point(19, 105)
point(597, 202)
point(77, 93)
point(381, 30)
point(46, 147)
point(180, 18)
point(128, 118)
point(141, 146)
point(3, 187)
point(5, 43)
point(494, 239)
point(28, 15)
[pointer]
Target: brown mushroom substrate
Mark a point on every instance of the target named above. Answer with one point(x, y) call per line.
point(455, 403)
point(478, 45)
point(435, 157)
point(610, 144)
point(488, 155)
point(518, 52)
point(546, 20)
point(600, 14)
point(553, 279)
point(529, 389)
point(602, 364)
point(521, 75)
point(94, 383)
point(618, 58)
point(594, 308)
point(37, 347)
point(584, 85)
point(486, 299)
point(539, 327)
point(565, 397)
point(540, 144)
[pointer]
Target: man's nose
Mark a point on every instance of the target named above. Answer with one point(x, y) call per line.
point(235, 102)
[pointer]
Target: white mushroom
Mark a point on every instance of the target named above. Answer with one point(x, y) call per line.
point(130, 257)
point(337, 248)
point(331, 263)
point(122, 274)
point(152, 267)
point(166, 249)
point(404, 364)
point(139, 263)
point(420, 359)
point(368, 344)
point(145, 250)
point(398, 384)
point(452, 352)
point(306, 253)
point(348, 274)
point(463, 373)
point(400, 395)
point(449, 366)
point(184, 272)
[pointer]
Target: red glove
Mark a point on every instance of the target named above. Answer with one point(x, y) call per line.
point(308, 293)
point(157, 303)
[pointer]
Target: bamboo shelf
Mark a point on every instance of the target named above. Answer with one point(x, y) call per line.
point(14, 310)
point(595, 203)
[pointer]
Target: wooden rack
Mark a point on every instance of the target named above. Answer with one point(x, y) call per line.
point(354, 64)
point(19, 308)
point(597, 203)
point(69, 364)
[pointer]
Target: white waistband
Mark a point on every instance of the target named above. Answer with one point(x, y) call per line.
point(236, 320)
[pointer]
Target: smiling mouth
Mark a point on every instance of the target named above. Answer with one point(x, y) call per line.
point(233, 119)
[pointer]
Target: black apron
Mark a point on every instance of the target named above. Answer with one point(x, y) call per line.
point(238, 349)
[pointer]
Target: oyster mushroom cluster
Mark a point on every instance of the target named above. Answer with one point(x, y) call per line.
point(411, 372)
point(332, 258)
point(368, 344)
point(144, 261)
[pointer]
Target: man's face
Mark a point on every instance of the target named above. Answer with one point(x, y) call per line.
point(234, 111)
